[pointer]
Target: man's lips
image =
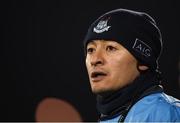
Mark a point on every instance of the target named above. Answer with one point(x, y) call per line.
point(98, 76)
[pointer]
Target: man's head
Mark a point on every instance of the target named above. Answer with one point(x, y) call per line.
point(119, 44)
point(110, 66)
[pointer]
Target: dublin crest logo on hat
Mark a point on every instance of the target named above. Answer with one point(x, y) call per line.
point(101, 26)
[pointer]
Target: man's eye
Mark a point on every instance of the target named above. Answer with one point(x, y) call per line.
point(90, 50)
point(110, 48)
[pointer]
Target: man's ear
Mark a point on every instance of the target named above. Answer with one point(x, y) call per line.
point(142, 67)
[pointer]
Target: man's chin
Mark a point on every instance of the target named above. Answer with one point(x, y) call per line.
point(101, 91)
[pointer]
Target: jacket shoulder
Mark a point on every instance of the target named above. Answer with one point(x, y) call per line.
point(157, 107)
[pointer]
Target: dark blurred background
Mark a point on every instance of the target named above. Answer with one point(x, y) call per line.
point(42, 52)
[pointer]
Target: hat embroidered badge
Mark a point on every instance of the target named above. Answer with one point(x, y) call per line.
point(101, 26)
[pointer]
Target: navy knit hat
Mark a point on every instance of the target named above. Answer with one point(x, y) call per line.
point(136, 31)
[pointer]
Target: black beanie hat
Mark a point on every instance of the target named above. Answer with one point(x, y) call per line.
point(136, 31)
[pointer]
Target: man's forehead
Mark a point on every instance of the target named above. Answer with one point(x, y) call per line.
point(94, 42)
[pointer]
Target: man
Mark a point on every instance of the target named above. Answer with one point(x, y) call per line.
point(122, 50)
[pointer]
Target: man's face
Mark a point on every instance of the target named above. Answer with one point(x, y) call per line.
point(110, 66)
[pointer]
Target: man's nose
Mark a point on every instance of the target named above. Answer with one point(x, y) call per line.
point(97, 59)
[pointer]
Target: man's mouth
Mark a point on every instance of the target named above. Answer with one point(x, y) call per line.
point(98, 76)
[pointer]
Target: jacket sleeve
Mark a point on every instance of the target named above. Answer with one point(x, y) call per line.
point(154, 109)
point(164, 112)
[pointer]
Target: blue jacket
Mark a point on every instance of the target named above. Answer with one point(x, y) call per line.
point(157, 107)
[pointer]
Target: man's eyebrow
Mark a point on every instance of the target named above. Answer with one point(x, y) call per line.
point(92, 43)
